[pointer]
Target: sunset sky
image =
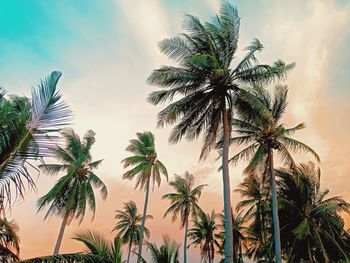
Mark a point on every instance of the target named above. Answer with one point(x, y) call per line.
point(107, 49)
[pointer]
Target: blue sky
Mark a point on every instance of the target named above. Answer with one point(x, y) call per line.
point(106, 50)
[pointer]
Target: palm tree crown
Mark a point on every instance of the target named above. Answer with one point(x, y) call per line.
point(74, 190)
point(203, 235)
point(168, 252)
point(144, 161)
point(310, 223)
point(28, 130)
point(262, 132)
point(129, 225)
point(184, 202)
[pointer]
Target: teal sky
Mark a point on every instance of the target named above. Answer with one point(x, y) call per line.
point(106, 49)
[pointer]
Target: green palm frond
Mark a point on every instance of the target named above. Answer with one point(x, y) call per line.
point(32, 134)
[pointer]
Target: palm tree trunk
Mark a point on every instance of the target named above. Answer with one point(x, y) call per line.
point(60, 235)
point(227, 191)
point(276, 222)
point(144, 218)
point(129, 251)
point(185, 241)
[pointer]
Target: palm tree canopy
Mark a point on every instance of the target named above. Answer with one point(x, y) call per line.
point(28, 130)
point(261, 132)
point(74, 191)
point(311, 228)
point(239, 235)
point(129, 224)
point(97, 249)
point(205, 82)
point(202, 234)
point(144, 161)
point(184, 200)
point(9, 240)
point(168, 252)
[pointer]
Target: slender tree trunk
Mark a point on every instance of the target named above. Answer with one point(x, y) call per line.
point(60, 235)
point(227, 191)
point(144, 217)
point(276, 222)
point(129, 251)
point(185, 241)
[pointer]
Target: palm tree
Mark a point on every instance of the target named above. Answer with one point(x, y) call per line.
point(9, 241)
point(203, 235)
point(310, 223)
point(97, 249)
point(168, 252)
point(265, 134)
point(184, 202)
point(28, 129)
point(129, 225)
point(73, 191)
point(205, 85)
point(145, 166)
point(256, 208)
point(239, 236)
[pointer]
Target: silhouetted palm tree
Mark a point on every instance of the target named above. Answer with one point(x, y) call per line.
point(145, 166)
point(205, 85)
point(28, 130)
point(239, 236)
point(184, 202)
point(168, 252)
point(203, 235)
point(264, 134)
point(74, 191)
point(129, 225)
point(256, 207)
point(311, 228)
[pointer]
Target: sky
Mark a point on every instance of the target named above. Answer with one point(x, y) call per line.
point(107, 49)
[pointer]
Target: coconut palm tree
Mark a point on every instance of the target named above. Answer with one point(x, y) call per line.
point(129, 225)
point(310, 223)
point(97, 249)
point(262, 135)
point(184, 202)
point(239, 236)
point(205, 84)
point(145, 166)
point(203, 235)
point(256, 207)
point(28, 129)
point(168, 252)
point(72, 193)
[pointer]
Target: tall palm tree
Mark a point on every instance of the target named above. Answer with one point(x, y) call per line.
point(129, 225)
point(310, 223)
point(145, 166)
point(74, 191)
point(264, 134)
point(28, 129)
point(203, 235)
point(205, 84)
point(184, 202)
point(168, 252)
point(97, 249)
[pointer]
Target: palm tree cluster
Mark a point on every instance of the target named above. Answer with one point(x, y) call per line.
point(237, 107)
